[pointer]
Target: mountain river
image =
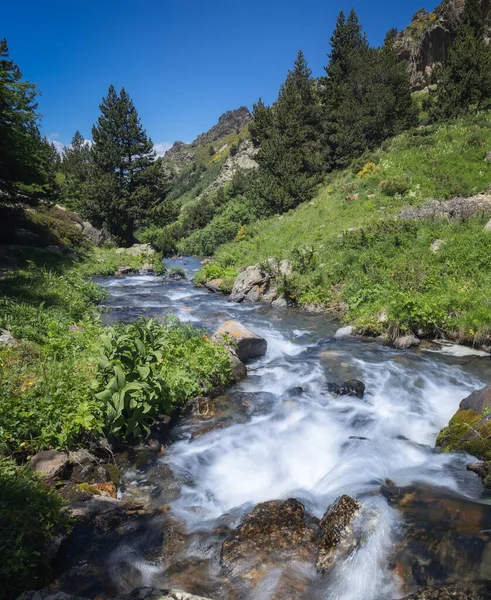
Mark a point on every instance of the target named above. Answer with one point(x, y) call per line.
point(279, 435)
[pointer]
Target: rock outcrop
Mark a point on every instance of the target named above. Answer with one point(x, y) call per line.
point(242, 161)
point(231, 121)
point(404, 342)
point(260, 283)
point(426, 41)
point(460, 209)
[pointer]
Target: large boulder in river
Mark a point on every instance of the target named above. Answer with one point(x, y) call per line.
point(469, 430)
point(247, 345)
point(250, 285)
point(276, 532)
point(337, 534)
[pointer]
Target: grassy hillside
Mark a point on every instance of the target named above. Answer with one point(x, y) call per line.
point(351, 251)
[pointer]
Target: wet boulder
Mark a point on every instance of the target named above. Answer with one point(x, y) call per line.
point(337, 533)
point(469, 430)
point(247, 345)
point(275, 532)
point(351, 387)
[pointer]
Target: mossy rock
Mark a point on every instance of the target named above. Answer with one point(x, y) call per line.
point(114, 473)
point(469, 429)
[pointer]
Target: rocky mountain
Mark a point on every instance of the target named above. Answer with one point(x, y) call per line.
point(233, 120)
point(426, 41)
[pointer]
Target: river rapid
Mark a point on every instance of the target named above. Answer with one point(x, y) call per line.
point(280, 435)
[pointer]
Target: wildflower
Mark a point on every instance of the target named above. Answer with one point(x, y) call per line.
point(30, 383)
point(73, 328)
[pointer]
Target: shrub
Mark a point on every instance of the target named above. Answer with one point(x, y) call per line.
point(394, 185)
point(147, 368)
point(30, 515)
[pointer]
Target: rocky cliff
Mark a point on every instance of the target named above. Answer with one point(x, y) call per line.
point(233, 120)
point(426, 41)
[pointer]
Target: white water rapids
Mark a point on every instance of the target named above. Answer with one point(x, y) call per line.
point(307, 444)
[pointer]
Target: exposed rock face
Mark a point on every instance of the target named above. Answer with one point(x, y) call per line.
point(242, 161)
point(426, 41)
point(228, 123)
point(457, 208)
point(137, 594)
point(275, 532)
point(214, 285)
point(247, 344)
point(138, 250)
point(337, 536)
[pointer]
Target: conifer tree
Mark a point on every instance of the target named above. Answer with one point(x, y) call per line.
point(366, 94)
point(289, 155)
point(75, 168)
point(119, 190)
point(465, 82)
point(24, 156)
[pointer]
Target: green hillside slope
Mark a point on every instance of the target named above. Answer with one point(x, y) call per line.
point(354, 253)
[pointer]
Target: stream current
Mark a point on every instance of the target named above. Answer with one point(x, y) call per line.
point(280, 434)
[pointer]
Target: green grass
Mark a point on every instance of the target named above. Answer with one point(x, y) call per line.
point(348, 247)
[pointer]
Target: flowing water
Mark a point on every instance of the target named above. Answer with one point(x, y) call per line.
point(280, 435)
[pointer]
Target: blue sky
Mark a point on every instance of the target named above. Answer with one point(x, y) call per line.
point(184, 62)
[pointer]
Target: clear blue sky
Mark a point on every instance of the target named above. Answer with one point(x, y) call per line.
point(184, 62)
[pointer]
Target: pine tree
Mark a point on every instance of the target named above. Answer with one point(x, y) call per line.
point(23, 153)
point(75, 168)
point(465, 82)
point(119, 190)
point(366, 94)
point(289, 155)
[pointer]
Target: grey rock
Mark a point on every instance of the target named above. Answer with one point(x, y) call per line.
point(247, 345)
point(285, 268)
point(7, 339)
point(97, 236)
point(443, 592)
point(478, 401)
point(487, 227)
point(436, 246)
point(406, 341)
point(214, 285)
point(344, 332)
point(146, 269)
point(50, 464)
point(52, 249)
point(245, 281)
point(488, 157)
point(140, 250)
point(457, 208)
point(137, 594)
point(239, 370)
point(227, 123)
point(124, 270)
point(280, 302)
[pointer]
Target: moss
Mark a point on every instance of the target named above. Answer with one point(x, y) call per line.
point(114, 474)
point(462, 424)
point(90, 489)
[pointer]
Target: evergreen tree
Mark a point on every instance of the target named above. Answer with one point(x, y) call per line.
point(465, 82)
point(289, 155)
point(24, 156)
point(366, 94)
point(75, 168)
point(119, 191)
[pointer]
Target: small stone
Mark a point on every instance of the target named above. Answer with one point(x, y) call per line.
point(436, 246)
point(7, 339)
point(352, 387)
